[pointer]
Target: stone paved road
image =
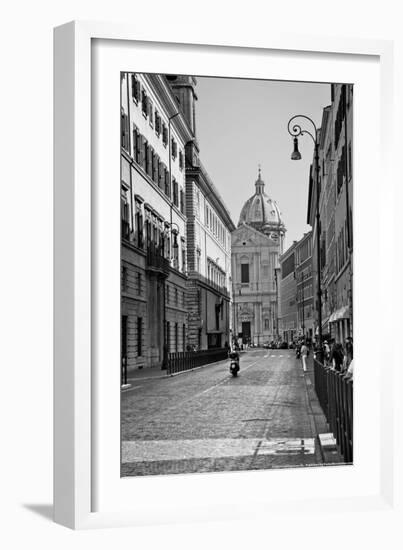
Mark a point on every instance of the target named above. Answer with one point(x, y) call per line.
point(206, 420)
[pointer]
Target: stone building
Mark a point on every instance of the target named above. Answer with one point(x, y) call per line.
point(257, 243)
point(288, 295)
point(209, 228)
point(304, 282)
point(153, 221)
point(335, 206)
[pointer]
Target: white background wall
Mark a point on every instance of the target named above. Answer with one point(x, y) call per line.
point(26, 274)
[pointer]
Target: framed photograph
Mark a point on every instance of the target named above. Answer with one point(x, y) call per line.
point(214, 300)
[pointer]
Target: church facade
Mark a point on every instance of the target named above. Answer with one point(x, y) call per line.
point(256, 245)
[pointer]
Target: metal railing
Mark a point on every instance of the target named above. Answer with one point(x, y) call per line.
point(186, 360)
point(222, 289)
point(156, 261)
point(335, 395)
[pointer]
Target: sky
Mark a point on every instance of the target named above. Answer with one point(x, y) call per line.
point(243, 123)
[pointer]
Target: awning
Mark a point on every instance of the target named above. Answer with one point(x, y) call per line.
point(341, 313)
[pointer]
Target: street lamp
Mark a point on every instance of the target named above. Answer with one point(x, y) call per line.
point(295, 130)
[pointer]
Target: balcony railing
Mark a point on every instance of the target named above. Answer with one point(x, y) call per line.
point(156, 261)
point(205, 280)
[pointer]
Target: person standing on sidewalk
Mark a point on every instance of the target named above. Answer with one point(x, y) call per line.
point(304, 355)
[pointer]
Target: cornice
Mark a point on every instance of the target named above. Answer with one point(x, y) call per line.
point(163, 90)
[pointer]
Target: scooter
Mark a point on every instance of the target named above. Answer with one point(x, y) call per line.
point(234, 363)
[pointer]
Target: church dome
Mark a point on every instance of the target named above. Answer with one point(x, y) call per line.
point(260, 211)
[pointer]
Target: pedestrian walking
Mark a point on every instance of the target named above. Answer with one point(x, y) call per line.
point(349, 351)
point(304, 355)
point(338, 357)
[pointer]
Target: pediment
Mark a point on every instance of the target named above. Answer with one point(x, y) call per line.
point(248, 236)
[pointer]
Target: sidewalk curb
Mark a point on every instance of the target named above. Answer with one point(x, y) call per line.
point(329, 450)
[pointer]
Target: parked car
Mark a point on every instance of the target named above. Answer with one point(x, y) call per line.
point(283, 345)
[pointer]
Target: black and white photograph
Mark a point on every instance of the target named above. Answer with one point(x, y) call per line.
point(236, 274)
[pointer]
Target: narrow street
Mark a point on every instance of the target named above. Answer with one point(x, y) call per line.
point(207, 421)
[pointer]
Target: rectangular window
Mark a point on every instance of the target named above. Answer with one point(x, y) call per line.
point(175, 251)
point(145, 155)
point(125, 221)
point(164, 134)
point(124, 279)
point(168, 336)
point(139, 225)
point(180, 160)
point(175, 192)
point(166, 182)
point(149, 166)
point(183, 337)
point(144, 102)
point(176, 296)
point(150, 109)
point(182, 201)
point(139, 284)
point(124, 129)
point(154, 167)
point(176, 337)
point(244, 273)
point(174, 148)
point(157, 120)
point(135, 88)
point(183, 256)
point(139, 336)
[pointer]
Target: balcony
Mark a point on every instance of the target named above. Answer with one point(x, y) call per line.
point(215, 286)
point(156, 262)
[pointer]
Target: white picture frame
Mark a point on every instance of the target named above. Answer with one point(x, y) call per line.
point(87, 492)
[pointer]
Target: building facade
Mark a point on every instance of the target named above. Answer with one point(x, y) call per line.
point(336, 224)
point(209, 228)
point(153, 222)
point(304, 291)
point(288, 295)
point(257, 243)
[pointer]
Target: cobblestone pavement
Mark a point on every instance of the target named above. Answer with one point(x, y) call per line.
point(208, 421)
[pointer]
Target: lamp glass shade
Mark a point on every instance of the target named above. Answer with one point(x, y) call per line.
point(296, 155)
